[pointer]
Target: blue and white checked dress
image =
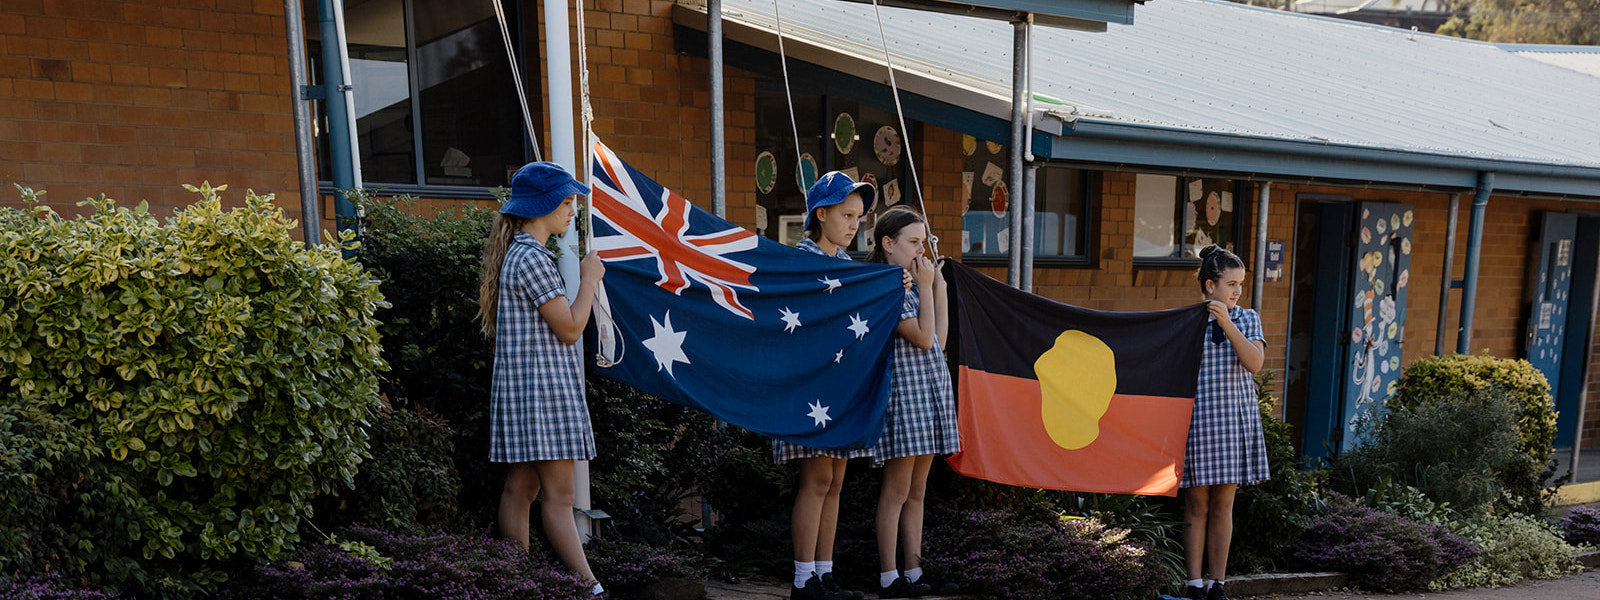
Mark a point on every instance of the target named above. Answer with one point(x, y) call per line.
point(537, 407)
point(784, 451)
point(1226, 443)
point(922, 407)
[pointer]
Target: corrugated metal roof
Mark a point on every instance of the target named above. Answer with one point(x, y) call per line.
point(1583, 59)
point(1213, 67)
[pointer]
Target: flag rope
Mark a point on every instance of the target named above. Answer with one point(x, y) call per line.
point(516, 78)
point(788, 95)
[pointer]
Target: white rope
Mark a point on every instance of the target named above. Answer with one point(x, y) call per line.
point(516, 77)
point(609, 337)
point(788, 95)
point(905, 135)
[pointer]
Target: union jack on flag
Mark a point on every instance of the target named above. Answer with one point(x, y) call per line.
point(663, 234)
point(791, 344)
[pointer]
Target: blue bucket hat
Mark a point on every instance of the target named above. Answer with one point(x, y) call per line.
point(538, 188)
point(832, 188)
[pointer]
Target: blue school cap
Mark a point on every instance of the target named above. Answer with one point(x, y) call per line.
point(832, 188)
point(538, 188)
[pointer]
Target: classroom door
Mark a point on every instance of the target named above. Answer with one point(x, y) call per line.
point(1549, 297)
point(1376, 310)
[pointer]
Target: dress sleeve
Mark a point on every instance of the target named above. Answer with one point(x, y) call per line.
point(910, 304)
point(543, 282)
point(1250, 325)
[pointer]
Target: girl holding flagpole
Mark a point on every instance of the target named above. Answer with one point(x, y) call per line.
point(921, 417)
point(1226, 446)
point(539, 418)
point(834, 206)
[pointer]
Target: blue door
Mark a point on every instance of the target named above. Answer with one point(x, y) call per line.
point(1376, 313)
point(1550, 295)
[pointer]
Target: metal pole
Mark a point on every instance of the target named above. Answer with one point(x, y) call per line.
point(1469, 294)
point(719, 190)
point(341, 162)
point(1449, 274)
point(304, 153)
point(1019, 63)
point(1026, 199)
point(558, 66)
point(349, 92)
point(1261, 246)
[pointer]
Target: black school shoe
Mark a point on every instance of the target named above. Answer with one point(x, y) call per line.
point(937, 587)
point(1216, 593)
point(903, 588)
point(812, 590)
point(832, 591)
point(1191, 592)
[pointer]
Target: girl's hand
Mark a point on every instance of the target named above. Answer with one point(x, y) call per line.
point(905, 277)
point(590, 269)
point(938, 274)
point(922, 271)
point(1218, 310)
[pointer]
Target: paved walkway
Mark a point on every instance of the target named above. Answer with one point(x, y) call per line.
point(1583, 586)
point(717, 590)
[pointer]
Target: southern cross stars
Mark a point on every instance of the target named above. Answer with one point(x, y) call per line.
point(819, 413)
point(791, 320)
point(667, 345)
point(858, 325)
point(833, 284)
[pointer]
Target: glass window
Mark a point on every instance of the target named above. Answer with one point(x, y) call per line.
point(1060, 213)
point(1175, 217)
point(860, 140)
point(434, 106)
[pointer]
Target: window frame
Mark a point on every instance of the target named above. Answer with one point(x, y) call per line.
point(1089, 228)
point(1240, 218)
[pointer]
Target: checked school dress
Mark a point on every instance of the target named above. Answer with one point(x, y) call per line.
point(537, 406)
point(1226, 442)
point(921, 418)
point(784, 451)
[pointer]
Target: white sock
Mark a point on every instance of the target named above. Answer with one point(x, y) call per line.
point(802, 572)
point(824, 567)
point(1199, 583)
point(886, 578)
point(914, 575)
point(1209, 582)
point(597, 589)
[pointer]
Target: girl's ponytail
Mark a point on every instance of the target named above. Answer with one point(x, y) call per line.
point(494, 255)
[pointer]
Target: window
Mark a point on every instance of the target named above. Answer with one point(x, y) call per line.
point(434, 100)
point(1175, 217)
point(1061, 206)
point(860, 140)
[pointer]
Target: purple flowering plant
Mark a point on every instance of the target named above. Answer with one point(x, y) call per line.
point(49, 587)
point(1582, 525)
point(995, 554)
point(1380, 550)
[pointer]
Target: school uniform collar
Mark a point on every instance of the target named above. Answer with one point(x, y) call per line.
point(523, 237)
point(811, 245)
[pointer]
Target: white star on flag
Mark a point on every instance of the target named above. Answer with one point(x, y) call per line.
point(791, 320)
point(859, 326)
point(667, 345)
point(838, 357)
point(833, 284)
point(819, 413)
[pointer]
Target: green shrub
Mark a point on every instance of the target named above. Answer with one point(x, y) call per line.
point(440, 362)
point(1268, 517)
point(65, 506)
point(1463, 452)
point(411, 478)
point(1515, 548)
point(226, 365)
point(1451, 377)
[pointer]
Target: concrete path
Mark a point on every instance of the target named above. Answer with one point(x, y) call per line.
point(1583, 586)
point(717, 590)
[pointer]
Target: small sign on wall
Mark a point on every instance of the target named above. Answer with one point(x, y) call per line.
point(1273, 270)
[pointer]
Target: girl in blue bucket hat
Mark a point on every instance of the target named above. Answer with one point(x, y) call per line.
point(834, 206)
point(539, 418)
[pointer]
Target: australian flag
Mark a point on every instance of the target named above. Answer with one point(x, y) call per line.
point(702, 312)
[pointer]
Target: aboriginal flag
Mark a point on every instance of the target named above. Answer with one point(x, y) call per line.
point(1060, 397)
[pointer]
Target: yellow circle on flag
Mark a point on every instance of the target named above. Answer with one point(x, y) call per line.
point(1077, 377)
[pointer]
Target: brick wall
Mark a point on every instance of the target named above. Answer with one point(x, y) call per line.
point(132, 98)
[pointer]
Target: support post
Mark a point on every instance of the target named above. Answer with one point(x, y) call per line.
point(304, 150)
point(1260, 269)
point(719, 157)
point(1447, 280)
point(1469, 293)
point(336, 108)
point(1019, 63)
